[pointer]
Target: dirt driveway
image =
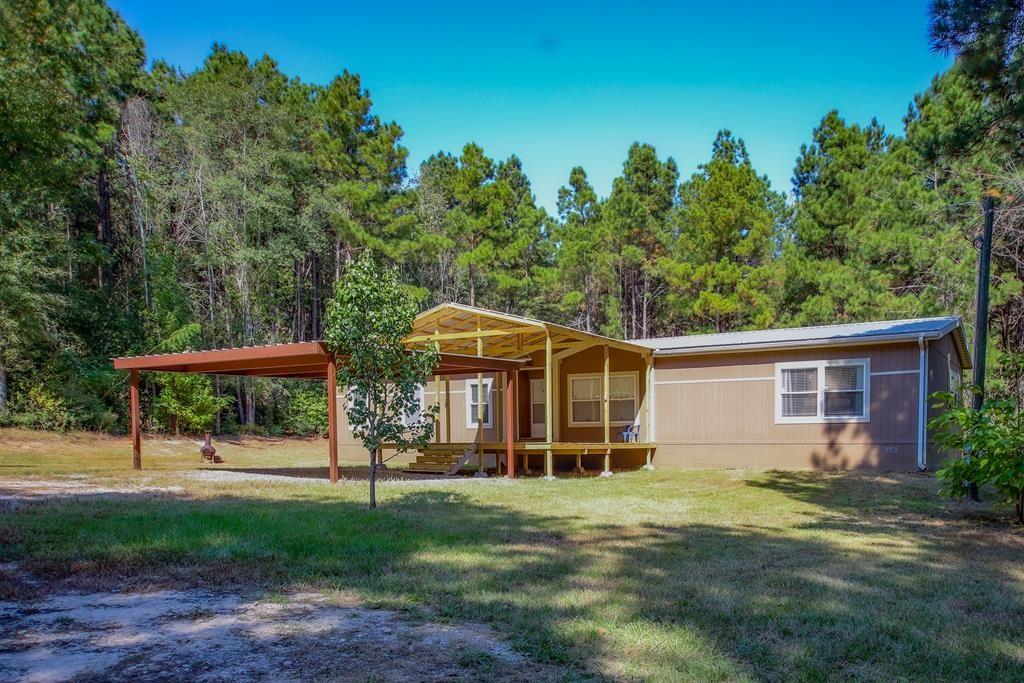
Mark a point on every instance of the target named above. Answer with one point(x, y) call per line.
point(207, 636)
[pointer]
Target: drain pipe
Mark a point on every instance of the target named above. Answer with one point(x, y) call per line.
point(922, 408)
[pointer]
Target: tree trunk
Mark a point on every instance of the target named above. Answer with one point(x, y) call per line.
point(250, 404)
point(1020, 507)
point(337, 258)
point(373, 479)
point(297, 317)
point(315, 291)
point(3, 390)
point(240, 400)
point(217, 393)
point(104, 271)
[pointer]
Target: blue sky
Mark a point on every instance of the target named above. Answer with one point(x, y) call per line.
point(565, 84)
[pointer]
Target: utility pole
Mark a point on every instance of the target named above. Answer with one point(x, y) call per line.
point(981, 314)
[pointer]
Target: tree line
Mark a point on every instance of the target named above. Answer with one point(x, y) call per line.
point(146, 209)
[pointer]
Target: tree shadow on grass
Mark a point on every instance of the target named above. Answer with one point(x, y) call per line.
point(623, 601)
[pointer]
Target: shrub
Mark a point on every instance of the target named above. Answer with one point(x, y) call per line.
point(992, 437)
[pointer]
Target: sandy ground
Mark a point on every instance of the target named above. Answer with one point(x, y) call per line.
point(14, 492)
point(205, 636)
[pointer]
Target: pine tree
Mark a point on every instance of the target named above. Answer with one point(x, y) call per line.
point(638, 214)
point(721, 273)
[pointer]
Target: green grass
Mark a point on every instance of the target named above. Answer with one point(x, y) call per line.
point(666, 575)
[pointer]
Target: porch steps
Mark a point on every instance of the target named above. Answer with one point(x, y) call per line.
point(440, 460)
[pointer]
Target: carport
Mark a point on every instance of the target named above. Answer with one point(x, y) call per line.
point(301, 360)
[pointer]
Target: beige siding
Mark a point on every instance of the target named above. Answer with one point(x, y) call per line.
point(703, 421)
point(352, 451)
point(719, 410)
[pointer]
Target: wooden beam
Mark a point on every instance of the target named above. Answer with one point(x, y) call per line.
point(136, 420)
point(548, 422)
point(332, 420)
point(471, 334)
point(574, 349)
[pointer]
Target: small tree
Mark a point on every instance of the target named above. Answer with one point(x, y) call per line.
point(993, 437)
point(368, 317)
point(187, 402)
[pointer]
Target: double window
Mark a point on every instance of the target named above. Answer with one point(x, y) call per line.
point(472, 402)
point(822, 391)
point(585, 399)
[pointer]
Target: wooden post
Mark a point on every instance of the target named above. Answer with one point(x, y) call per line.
point(648, 397)
point(136, 420)
point(332, 420)
point(437, 412)
point(447, 409)
point(510, 419)
point(549, 426)
point(606, 385)
point(607, 403)
point(480, 406)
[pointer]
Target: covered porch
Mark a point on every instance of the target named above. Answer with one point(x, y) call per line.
point(573, 398)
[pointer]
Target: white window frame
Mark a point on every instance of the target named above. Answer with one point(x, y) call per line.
point(820, 365)
point(488, 395)
point(600, 375)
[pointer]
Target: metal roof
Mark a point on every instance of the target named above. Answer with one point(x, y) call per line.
point(308, 360)
point(821, 335)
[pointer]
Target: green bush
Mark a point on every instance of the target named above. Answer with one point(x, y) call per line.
point(993, 437)
point(40, 408)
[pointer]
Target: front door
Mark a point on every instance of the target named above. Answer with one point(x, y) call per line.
point(538, 428)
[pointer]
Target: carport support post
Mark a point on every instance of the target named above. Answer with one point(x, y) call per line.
point(136, 421)
point(332, 419)
point(510, 418)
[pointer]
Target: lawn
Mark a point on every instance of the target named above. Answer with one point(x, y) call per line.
point(665, 575)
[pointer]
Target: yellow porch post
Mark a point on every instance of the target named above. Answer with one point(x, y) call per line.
point(606, 381)
point(437, 412)
point(548, 421)
point(447, 409)
point(479, 408)
point(648, 397)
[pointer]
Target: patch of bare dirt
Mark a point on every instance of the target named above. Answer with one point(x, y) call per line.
point(205, 636)
point(16, 491)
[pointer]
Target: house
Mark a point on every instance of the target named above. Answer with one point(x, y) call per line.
point(828, 397)
point(515, 394)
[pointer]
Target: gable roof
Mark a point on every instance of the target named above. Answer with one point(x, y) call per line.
point(822, 335)
point(458, 327)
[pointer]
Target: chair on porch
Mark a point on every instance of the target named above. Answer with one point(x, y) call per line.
point(631, 434)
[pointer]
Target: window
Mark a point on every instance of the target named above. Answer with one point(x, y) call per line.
point(954, 386)
point(415, 415)
point(822, 391)
point(585, 399)
point(471, 402)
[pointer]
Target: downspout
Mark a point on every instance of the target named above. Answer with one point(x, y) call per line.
point(922, 409)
